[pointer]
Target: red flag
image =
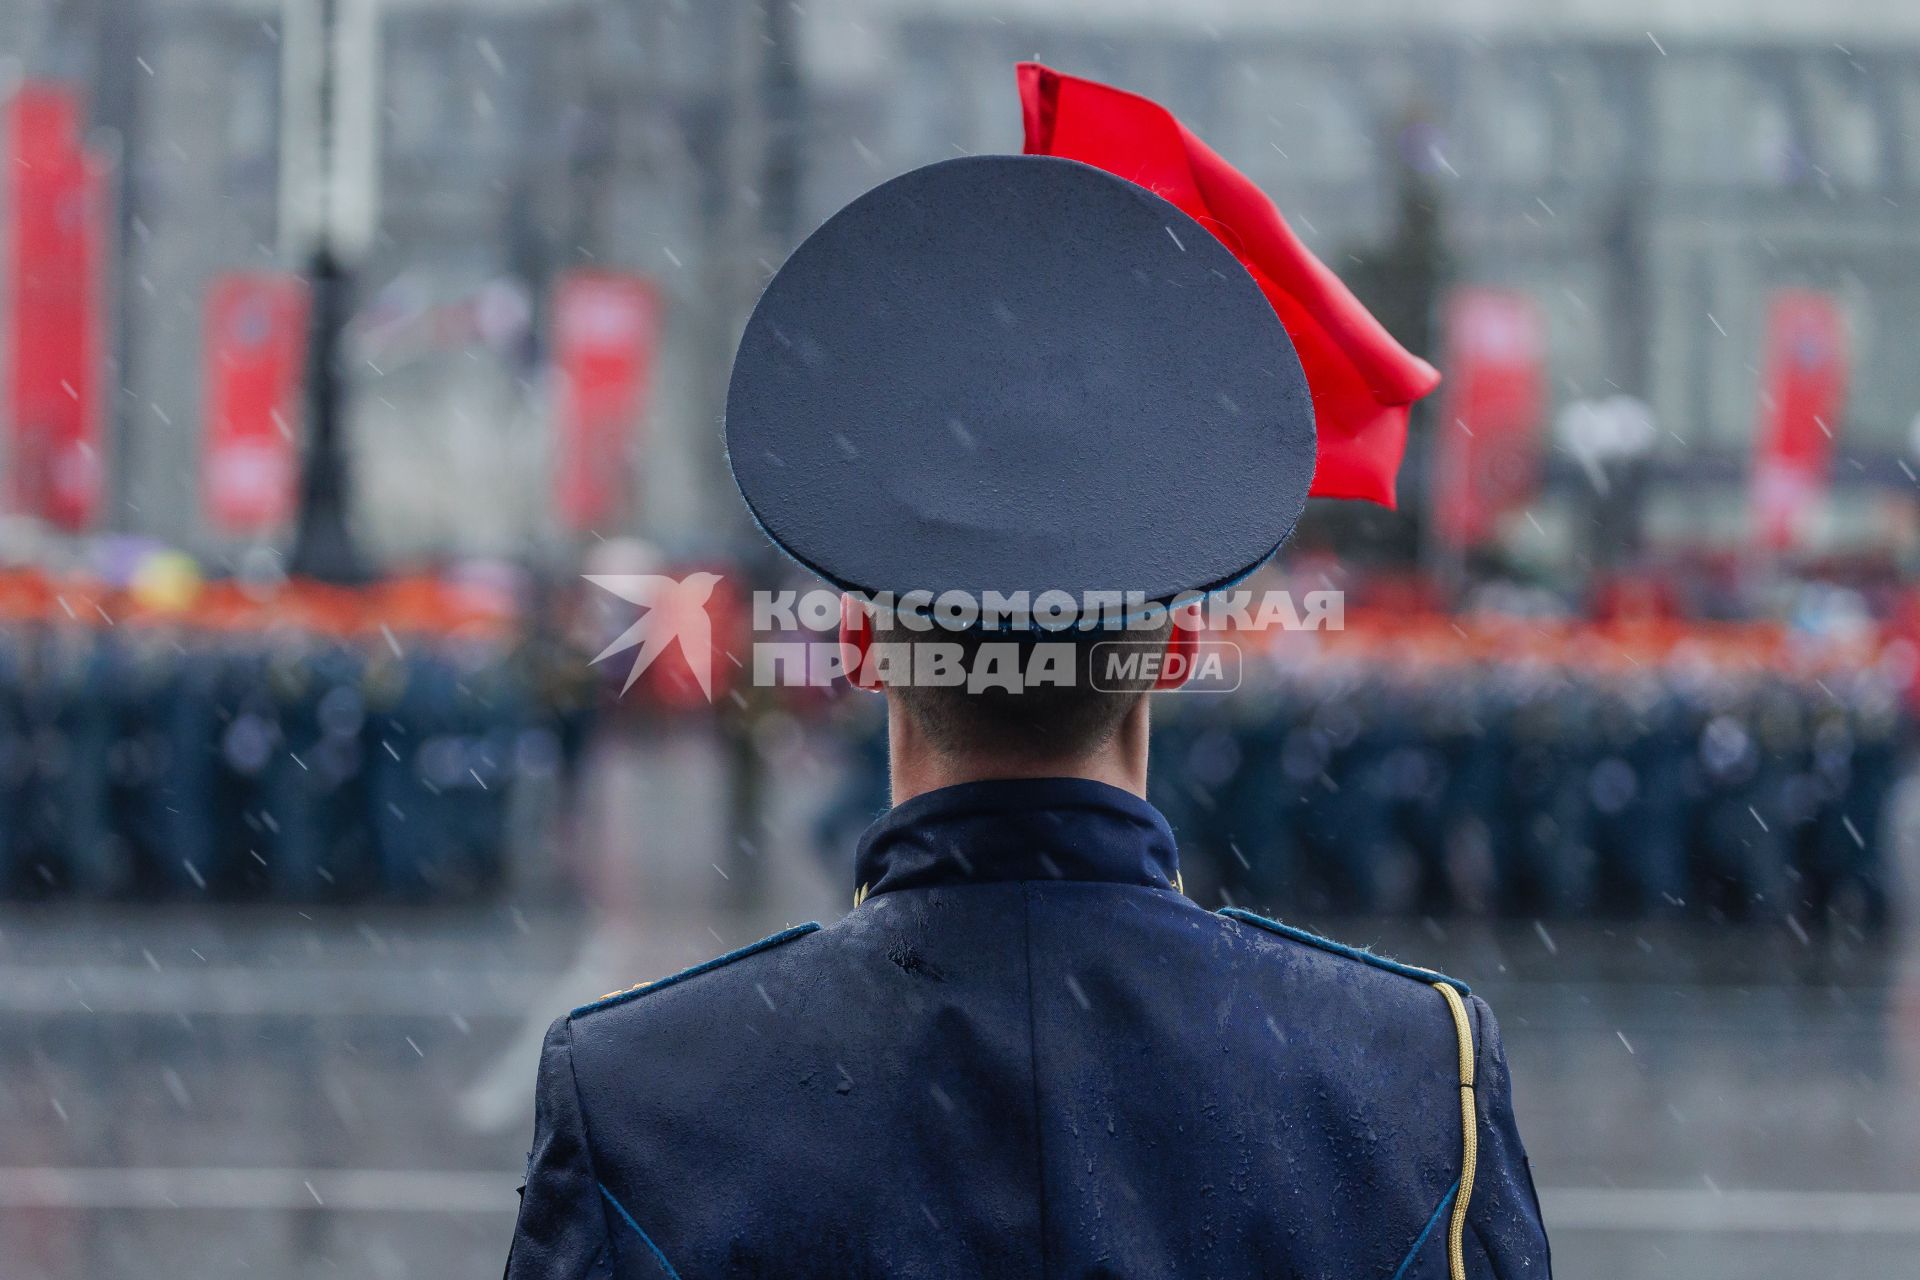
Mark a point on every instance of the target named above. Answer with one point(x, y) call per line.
point(256, 343)
point(55, 273)
point(1362, 380)
point(1802, 392)
point(606, 326)
point(1487, 457)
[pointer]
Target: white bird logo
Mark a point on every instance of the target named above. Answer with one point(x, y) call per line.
point(675, 610)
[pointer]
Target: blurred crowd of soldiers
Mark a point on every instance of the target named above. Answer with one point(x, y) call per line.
point(167, 737)
point(1719, 772)
point(178, 739)
point(1437, 764)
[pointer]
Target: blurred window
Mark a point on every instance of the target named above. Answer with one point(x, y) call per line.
point(932, 122)
point(457, 90)
point(1728, 119)
point(1596, 105)
point(1906, 89)
point(420, 84)
point(1504, 118)
point(964, 98)
point(253, 110)
point(1841, 99)
point(1883, 401)
point(1309, 114)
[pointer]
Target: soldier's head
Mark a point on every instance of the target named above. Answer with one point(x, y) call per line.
point(976, 703)
point(1019, 377)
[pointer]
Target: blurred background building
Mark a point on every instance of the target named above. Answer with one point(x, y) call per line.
point(1645, 178)
point(298, 863)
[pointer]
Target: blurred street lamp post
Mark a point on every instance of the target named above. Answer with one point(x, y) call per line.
point(761, 178)
point(329, 200)
point(1617, 471)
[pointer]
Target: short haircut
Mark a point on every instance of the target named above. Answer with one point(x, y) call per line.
point(1042, 722)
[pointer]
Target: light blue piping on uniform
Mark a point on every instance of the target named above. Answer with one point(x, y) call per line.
point(1412, 1253)
point(647, 1240)
point(648, 988)
point(1342, 949)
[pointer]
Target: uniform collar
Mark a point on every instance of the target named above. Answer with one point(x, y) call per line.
point(1021, 829)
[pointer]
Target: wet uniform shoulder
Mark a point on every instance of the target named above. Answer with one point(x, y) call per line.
point(1359, 955)
point(629, 994)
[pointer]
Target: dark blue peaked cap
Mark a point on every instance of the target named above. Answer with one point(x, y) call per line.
point(1007, 373)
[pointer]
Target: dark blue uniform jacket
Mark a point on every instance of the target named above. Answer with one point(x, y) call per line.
point(1025, 1053)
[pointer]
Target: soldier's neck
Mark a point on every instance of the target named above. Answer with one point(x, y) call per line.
point(918, 767)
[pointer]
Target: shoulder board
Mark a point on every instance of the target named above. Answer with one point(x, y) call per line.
point(647, 988)
point(1342, 949)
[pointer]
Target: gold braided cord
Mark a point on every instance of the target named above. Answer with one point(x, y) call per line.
point(1470, 1131)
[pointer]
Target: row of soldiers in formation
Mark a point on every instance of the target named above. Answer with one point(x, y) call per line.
point(306, 763)
point(1528, 792)
point(143, 762)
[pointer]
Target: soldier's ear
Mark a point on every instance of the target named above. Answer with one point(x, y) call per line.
point(1183, 646)
point(856, 641)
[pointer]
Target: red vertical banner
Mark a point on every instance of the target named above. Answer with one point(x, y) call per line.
point(606, 327)
point(1487, 458)
point(1803, 390)
point(256, 344)
point(55, 266)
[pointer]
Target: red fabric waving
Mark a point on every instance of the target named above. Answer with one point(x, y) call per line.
point(1363, 381)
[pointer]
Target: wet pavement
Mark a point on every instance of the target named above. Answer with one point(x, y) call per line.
point(277, 1093)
